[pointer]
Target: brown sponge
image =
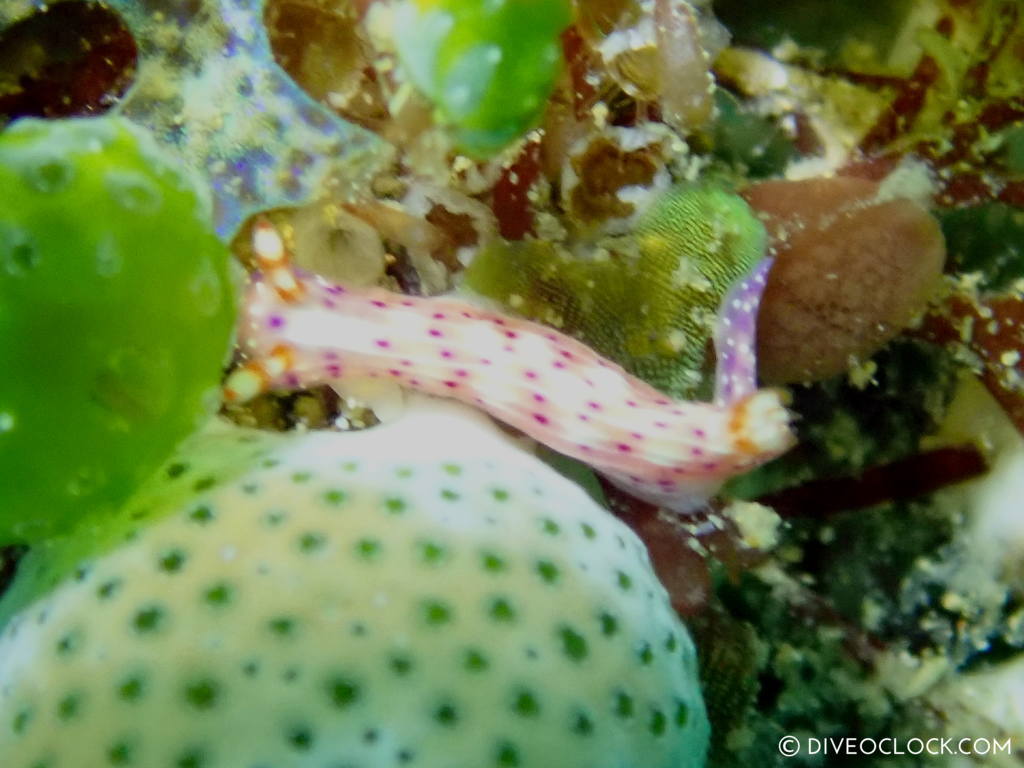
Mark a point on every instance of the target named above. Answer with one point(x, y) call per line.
point(850, 273)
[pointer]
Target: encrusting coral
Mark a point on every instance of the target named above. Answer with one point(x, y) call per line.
point(373, 598)
point(650, 300)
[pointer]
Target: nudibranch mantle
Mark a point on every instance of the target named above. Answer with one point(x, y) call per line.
point(302, 330)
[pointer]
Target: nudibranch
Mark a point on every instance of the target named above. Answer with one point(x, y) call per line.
point(300, 330)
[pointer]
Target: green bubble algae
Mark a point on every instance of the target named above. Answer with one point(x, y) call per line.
point(116, 315)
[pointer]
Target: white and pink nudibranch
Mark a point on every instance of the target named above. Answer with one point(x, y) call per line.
point(300, 330)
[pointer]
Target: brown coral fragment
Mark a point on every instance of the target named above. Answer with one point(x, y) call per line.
point(603, 169)
point(321, 45)
point(850, 273)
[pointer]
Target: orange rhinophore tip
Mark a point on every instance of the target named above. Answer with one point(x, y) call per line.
point(759, 424)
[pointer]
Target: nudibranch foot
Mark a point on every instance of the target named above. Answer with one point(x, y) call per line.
point(302, 330)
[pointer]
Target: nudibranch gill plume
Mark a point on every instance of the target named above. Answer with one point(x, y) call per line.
point(299, 330)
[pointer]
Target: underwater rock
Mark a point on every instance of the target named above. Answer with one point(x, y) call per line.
point(208, 86)
point(295, 599)
point(851, 272)
point(117, 313)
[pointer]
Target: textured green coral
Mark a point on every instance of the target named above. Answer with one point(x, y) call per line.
point(116, 310)
point(324, 599)
point(650, 305)
point(489, 67)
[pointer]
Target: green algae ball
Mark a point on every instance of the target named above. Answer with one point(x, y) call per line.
point(116, 314)
point(489, 67)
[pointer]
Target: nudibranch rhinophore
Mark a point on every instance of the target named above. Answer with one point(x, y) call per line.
point(302, 330)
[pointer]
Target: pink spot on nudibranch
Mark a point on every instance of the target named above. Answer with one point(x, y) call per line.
point(378, 303)
point(624, 448)
point(540, 418)
point(275, 321)
point(435, 333)
point(383, 343)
